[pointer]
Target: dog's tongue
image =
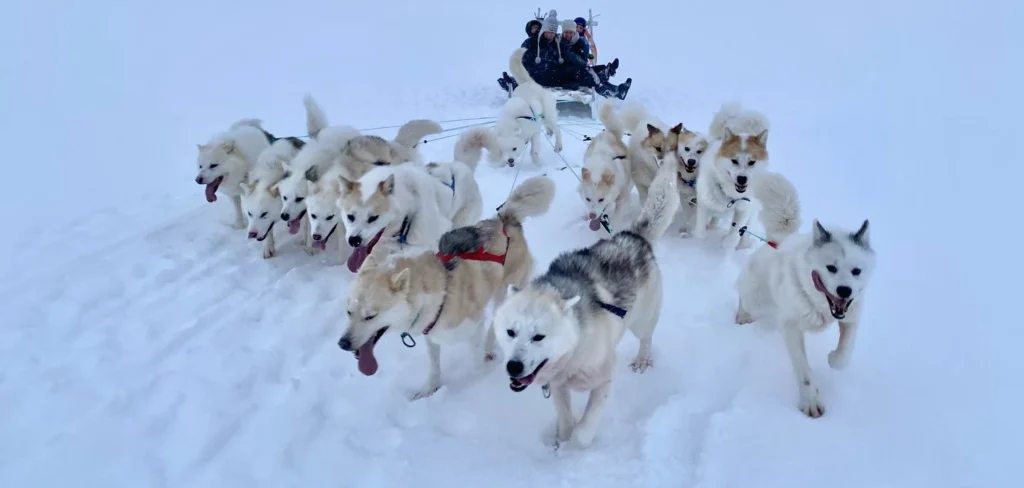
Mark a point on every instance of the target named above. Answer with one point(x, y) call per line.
point(322, 245)
point(595, 224)
point(293, 225)
point(367, 363)
point(355, 261)
point(211, 192)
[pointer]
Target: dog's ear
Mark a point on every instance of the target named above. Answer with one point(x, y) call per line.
point(570, 303)
point(652, 130)
point(347, 185)
point(202, 147)
point(275, 191)
point(387, 187)
point(313, 173)
point(247, 188)
point(228, 146)
point(861, 237)
point(400, 281)
point(608, 178)
point(762, 138)
point(585, 174)
point(821, 236)
point(512, 290)
point(678, 129)
point(369, 263)
point(728, 134)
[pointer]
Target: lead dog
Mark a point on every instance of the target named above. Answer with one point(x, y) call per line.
point(646, 143)
point(688, 147)
point(804, 282)
point(561, 330)
point(441, 296)
point(519, 122)
point(261, 199)
point(606, 184)
point(737, 154)
point(226, 159)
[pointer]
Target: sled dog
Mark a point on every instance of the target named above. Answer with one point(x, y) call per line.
point(520, 120)
point(646, 143)
point(606, 183)
point(736, 155)
point(561, 330)
point(688, 147)
point(429, 200)
point(261, 199)
point(804, 282)
point(225, 160)
point(441, 296)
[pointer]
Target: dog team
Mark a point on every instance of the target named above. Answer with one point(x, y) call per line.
point(427, 267)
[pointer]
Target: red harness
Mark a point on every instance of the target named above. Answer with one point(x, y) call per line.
point(479, 254)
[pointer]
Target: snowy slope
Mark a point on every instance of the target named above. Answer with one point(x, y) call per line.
point(145, 343)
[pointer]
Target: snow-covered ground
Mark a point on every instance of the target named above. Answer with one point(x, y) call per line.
point(145, 343)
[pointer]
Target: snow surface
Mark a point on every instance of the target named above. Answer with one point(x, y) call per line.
point(145, 343)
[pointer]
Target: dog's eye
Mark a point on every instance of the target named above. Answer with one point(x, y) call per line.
point(299, 199)
point(371, 219)
point(832, 269)
point(312, 216)
point(351, 218)
point(538, 338)
point(699, 151)
point(329, 217)
point(588, 199)
point(349, 313)
point(284, 198)
point(511, 333)
point(751, 163)
point(515, 148)
point(214, 165)
point(855, 271)
point(250, 213)
point(380, 163)
point(736, 162)
point(600, 200)
point(370, 317)
point(263, 215)
point(686, 149)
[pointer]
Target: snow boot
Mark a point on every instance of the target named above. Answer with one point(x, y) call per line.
point(624, 88)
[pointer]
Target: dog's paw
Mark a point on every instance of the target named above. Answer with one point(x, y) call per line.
point(583, 434)
point(269, 252)
point(558, 147)
point(838, 360)
point(641, 365)
point(425, 392)
point(310, 250)
point(549, 131)
point(810, 404)
point(489, 356)
point(743, 317)
point(684, 232)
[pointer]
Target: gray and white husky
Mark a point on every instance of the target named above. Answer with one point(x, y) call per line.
point(561, 330)
point(803, 282)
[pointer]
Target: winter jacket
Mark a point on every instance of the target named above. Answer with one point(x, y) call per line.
point(576, 53)
point(548, 58)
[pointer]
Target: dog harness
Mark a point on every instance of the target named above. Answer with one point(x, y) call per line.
point(452, 186)
point(690, 183)
point(621, 312)
point(402, 234)
point(480, 254)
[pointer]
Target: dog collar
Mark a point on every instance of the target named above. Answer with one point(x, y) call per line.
point(621, 312)
point(403, 232)
point(408, 340)
point(689, 183)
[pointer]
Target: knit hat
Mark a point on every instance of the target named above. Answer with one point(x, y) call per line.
point(550, 25)
point(530, 24)
point(581, 21)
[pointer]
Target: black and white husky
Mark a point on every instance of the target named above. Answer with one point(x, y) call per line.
point(561, 330)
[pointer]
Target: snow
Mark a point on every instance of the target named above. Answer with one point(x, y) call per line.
point(145, 343)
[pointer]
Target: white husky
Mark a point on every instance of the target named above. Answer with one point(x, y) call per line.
point(520, 120)
point(322, 151)
point(737, 153)
point(803, 282)
point(561, 330)
point(606, 184)
point(261, 199)
point(647, 139)
point(226, 159)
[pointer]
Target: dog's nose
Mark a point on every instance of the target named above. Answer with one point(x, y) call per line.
point(316, 237)
point(514, 368)
point(511, 161)
point(591, 215)
point(199, 179)
point(742, 180)
point(252, 234)
point(345, 343)
point(355, 241)
point(284, 217)
point(844, 291)
point(691, 162)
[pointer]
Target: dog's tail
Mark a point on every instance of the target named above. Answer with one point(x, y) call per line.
point(531, 198)
point(631, 115)
point(516, 68)
point(257, 123)
point(412, 132)
point(662, 203)
point(470, 145)
point(732, 115)
point(611, 122)
point(316, 119)
point(780, 206)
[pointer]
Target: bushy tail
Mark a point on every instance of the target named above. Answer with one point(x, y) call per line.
point(610, 121)
point(631, 115)
point(470, 145)
point(412, 132)
point(531, 198)
point(257, 123)
point(662, 203)
point(780, 205)
point(516, 68)
point(316, 119)
point(737, 119)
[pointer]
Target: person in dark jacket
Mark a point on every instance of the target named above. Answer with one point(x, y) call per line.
point(542, 53)
point(576, 71)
